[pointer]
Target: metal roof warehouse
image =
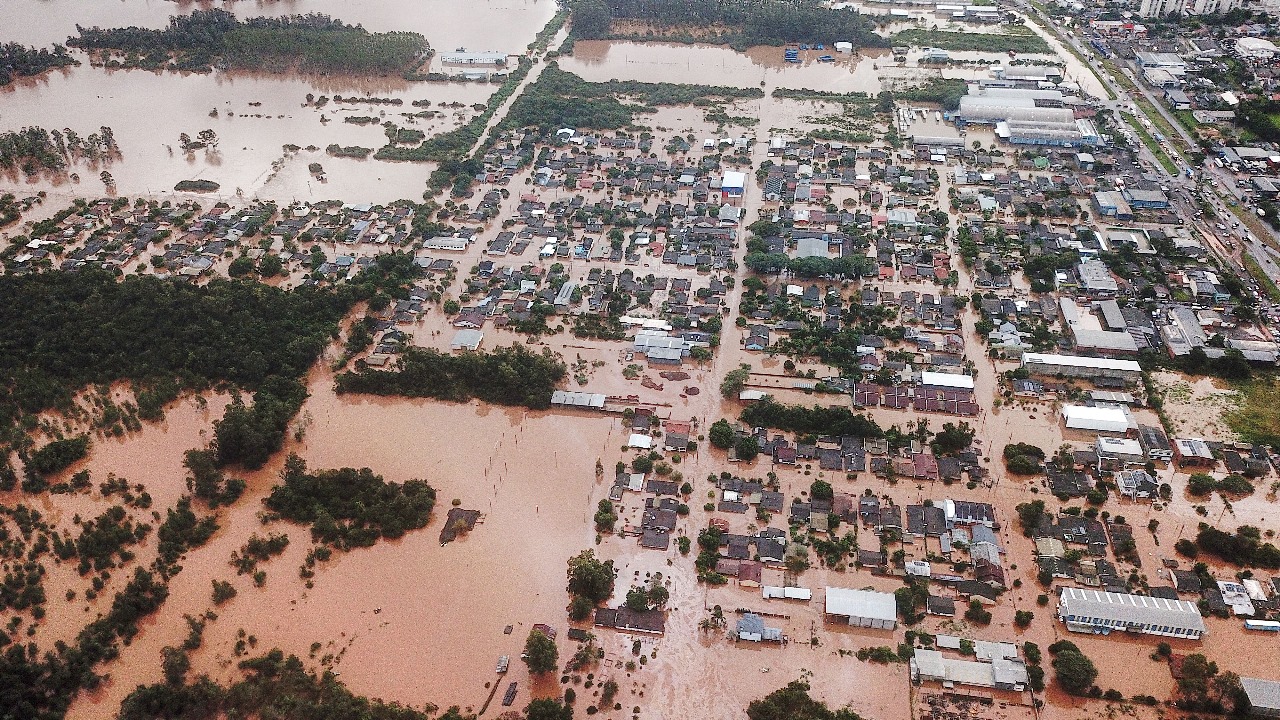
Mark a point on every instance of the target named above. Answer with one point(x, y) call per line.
point(1094, 611)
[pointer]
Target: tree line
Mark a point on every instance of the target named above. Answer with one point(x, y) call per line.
point(272, 686)
point(18, 61)
point(562, 99)
point(751, 22)
point(816, 420)
point(310, 43)
point(512, 375)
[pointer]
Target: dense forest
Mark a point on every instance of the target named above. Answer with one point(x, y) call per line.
point(274, 686)
point(34, 149)
point(747, 22)
point(507, 376)
point(562, 99)
point(17, 61)
point(310, 43)
point(350, 508)
point(60, 332)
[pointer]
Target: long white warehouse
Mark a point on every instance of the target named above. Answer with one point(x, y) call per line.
point(863, 608)
point(1100, 613)
point(1079, 366)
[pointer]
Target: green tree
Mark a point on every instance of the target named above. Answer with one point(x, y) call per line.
point(721, 434)
point(747, 448)
point(734, 381)
point(540, 653)
point(821, 490)
point(1074, 671)
point(591, 578)
point(637, 599)
point(591, 19)
point(548, 709)
point(792, 702)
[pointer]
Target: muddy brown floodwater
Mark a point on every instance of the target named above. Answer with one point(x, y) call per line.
point(257, 114)
point(507, 25)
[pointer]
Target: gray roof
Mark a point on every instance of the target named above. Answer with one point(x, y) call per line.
point(1264, 694)
point(1130, 608)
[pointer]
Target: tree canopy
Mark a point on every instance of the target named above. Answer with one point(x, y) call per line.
point(540, 653)
point(350, 508)
point(591, 578)
point(792, 702)
point(512, 375)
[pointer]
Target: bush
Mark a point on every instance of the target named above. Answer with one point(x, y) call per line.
point(222, 591)
point(977, 613)
point(1201, 485)
point(747, 448)
point(1022, 618)
point(57, 455)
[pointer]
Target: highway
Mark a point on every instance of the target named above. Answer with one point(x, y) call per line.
point(1211, 179)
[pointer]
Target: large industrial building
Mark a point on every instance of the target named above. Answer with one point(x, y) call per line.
point(1081, 367)
point(1098, 612)
point(1027, 117)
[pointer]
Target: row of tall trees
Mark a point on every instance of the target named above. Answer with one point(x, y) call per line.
point(512, 375)
point(756, 22)
point(311, 43)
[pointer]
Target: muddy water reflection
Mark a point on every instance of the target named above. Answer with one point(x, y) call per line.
point(256, 116)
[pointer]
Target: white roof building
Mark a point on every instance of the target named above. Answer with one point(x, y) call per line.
point(1094, 611)
point(946, 380)
point(1264, 695)
point(931, 665)
point(466, 340)
point(1116, 420)
point(863, 608)
point(733, 180)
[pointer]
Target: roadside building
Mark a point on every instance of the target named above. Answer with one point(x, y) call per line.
point(1114, 420)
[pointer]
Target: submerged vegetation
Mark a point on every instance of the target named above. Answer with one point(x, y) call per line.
point(273, 686)
point(562, 99)
point(19, 61)
point(1022, 40)
point(507, 376)
point(350, 508)
point(736, 22)
point(207, 38)
point(35, 149)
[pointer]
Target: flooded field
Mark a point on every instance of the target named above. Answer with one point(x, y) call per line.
point(870, 71)
point(256, 115)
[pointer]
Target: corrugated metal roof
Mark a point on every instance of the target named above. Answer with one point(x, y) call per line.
point(1136, 609)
